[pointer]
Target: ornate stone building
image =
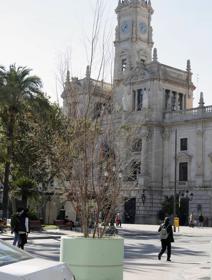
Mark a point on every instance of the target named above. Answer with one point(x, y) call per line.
point(169, 150)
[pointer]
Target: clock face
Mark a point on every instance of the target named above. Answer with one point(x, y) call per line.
point(125, 27)
point(143, 27)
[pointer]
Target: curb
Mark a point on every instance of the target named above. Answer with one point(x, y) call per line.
point(34, 237)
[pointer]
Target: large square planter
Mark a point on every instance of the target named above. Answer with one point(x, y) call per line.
point(93, 259)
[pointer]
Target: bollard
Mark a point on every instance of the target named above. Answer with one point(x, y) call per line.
point(177, 223)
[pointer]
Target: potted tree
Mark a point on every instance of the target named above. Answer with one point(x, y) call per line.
point(92, 170)
point(94, 188)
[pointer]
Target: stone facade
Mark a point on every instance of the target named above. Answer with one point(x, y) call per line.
point(167, 145)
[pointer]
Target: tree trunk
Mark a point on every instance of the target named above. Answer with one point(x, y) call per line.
point(6, 190)
point(10, 137)
point(24, 200)
point(13, 203)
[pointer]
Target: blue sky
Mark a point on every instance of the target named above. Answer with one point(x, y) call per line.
point(37, 33)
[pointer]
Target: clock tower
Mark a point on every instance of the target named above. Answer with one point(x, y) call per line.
point(133, 42)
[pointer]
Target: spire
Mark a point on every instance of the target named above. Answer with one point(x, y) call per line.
point(68, 77)
point(201, 100)
point(67, 81)
point(67, 85)
point(88, 72)
point(188, 65)
point(155, 55)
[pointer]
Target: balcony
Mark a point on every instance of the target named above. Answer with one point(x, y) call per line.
point(187, 115)
point(182, 184)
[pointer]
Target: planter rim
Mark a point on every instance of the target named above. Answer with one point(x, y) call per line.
point(90, 238)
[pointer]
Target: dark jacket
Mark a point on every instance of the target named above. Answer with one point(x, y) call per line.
point(22, 226)
point(170, 237)
point(15, 223)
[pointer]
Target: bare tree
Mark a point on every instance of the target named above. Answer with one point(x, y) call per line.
point(91, 166)
point(91, 162)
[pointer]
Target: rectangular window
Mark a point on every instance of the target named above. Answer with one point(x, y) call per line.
point(173, 101)
point(139, 99)
point(124, 64)
point(167, 96)
point(184, 144)
point(180, 101)
point(134, 100)
point(183, 171)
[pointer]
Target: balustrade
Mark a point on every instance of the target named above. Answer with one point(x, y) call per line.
point(189, 114)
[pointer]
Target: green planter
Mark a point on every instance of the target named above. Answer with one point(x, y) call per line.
point(93, 259)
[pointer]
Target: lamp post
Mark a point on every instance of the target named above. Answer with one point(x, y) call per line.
point(184, 198)
point(1, 196)
point(1, 192)
point(143, 197)
point(49, 199)
point(175, 177)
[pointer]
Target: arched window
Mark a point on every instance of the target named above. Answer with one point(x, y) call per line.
point(139, 99)
point(123, 64)
point(134, 171)
point(124, 60)
point(137, 102)
point(137, 145)
point(97, 110)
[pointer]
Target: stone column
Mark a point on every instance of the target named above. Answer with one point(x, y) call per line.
point(184, 102)
point(145, 209)
point(177, 101)
point(144, 154)
point(174, 98)
point(199, 153)
point(165, 133)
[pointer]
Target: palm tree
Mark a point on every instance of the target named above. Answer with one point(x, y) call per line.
point(17, 88)
point(25, 188)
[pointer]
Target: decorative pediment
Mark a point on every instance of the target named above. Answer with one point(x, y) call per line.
point(138, 73)
point(184, 156)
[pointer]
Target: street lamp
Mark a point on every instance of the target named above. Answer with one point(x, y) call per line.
point(185, 194)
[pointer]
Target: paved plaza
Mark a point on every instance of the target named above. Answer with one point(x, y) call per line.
point(190, 252)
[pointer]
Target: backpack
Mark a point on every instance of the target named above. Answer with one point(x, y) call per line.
point(15, 223)
point(163, 233)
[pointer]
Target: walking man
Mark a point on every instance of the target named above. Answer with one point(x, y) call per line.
point(201, 220)
point(166, 237)
point(23, 229)
point(15, 225)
